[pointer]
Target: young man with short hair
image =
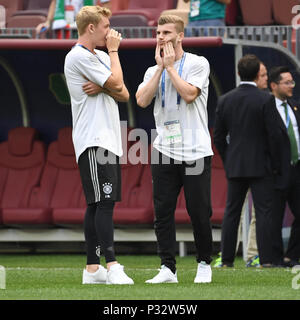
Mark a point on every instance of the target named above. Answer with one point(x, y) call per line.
point(179, 83)
point(95, 81)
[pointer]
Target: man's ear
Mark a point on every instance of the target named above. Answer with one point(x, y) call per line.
point(273, 86)
point(91, 28)
point(180, 36)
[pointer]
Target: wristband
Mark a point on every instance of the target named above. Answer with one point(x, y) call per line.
point(112, 51)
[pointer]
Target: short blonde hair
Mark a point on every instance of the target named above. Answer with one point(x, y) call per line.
point(90, 14)
point(170, 18)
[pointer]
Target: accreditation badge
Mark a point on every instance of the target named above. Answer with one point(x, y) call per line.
point(172, 129)
point(195, 8)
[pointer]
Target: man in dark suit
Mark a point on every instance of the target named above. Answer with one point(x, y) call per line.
point(284, 121)
point(241, 138)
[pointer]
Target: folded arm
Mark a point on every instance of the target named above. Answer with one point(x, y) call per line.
point(91, 88)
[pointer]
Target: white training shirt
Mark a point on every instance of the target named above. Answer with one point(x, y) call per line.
point(193, 117)
point(96, 120)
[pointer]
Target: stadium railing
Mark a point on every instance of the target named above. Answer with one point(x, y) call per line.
point(285, 36)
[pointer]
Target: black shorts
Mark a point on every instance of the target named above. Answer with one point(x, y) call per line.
point(101, 181)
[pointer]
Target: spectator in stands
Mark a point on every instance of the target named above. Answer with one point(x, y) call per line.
point(97, 136)
point(243, 143)
point(206, 13)
point(63, 12)
point(252, 253)
point(180, 113)
point(284, 114)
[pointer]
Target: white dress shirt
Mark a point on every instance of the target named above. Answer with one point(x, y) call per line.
point(281, 111)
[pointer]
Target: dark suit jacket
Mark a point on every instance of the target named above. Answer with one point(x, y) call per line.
point(281, 148)
point(240, 115)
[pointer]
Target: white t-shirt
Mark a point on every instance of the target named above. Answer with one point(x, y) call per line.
point(193, 118)
point(96, 120)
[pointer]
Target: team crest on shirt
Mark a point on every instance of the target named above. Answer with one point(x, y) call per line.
point(107, 189)
point(98, 252)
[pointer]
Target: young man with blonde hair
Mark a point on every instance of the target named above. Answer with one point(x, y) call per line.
point(95, 81)
point(179, 83)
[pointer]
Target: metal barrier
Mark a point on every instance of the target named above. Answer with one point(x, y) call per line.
point(285, 36)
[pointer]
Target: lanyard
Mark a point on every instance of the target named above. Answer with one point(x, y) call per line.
point(163, 83)
point(82, 46)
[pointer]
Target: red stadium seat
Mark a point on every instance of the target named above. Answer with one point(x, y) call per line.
point(182, 10)
point(33, 13)
point(218, 188)
point(218, 194)
point(11, 7)
point(256, 12)
point(117, 5)
point(35, 7)
point(232, 10)
point(136, 206)
point(128, 20)
point(149, 9)
point(25, 21)
point(282, 11)
point(61, 188)
point(21, 163)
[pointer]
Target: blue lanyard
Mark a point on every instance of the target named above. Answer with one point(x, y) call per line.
point(82, 46)
point(163, 83)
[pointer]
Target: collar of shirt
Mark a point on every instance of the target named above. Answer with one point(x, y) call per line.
point(280, 102)
point(248, 82)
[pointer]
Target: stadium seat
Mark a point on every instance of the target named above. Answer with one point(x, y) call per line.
point(232, 11)
point(182, 10)
point(68, 201)
point(61, 188)
point(282, 11)
point(136, 205)
point(218, 188)
point(11, 7)
point(33, 13)
point(21, 163)
point(218, 193)
point(25, 21)
point(128, 20)
point(117, 5)
point(34, 7)
point(256, 12)
point(149, 9)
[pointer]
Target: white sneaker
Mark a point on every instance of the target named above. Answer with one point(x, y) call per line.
point(204, 273)
point(165, 275)
point(94, 277)
point(116, 275)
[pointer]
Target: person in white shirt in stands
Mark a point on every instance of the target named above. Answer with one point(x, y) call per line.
point(63, 12)
point(95, 81)
point(179, 82)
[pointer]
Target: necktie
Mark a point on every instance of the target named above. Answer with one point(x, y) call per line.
point(291, 134)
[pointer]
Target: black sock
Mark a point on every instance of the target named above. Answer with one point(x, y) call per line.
point(91, 240)
point(105, 229)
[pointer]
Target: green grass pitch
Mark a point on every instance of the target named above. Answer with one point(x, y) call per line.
point(58, 277)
